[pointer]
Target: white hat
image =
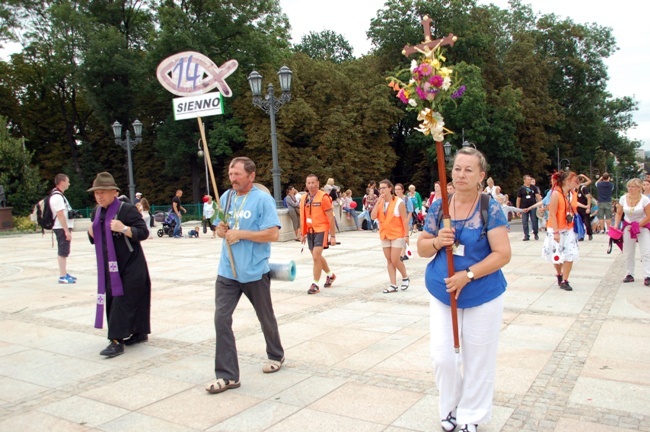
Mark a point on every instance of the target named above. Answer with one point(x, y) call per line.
point(138, 193)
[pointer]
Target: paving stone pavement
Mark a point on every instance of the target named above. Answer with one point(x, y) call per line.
point(357, 359)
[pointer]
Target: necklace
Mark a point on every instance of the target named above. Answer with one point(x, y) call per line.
point(632, 202)
point(460, 231)
point(237, 212)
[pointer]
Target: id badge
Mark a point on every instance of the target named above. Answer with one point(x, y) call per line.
point(309, 220)
point(458, 249)
point(527, 196)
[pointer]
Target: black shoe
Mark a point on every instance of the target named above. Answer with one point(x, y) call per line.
point(113, 349)
point(136, 338)
point(536, 236)
point(646, 281)
point(559, 279)
point(565, 286)
point(448, 424)
point(591, 237)
point(629, 278)
point(526, 238)
point(582, 239)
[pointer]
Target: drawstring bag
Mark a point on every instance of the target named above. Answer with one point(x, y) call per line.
point(578, 226)
point(615, 238)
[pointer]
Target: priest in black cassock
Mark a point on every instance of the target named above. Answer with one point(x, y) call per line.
point(123, 282)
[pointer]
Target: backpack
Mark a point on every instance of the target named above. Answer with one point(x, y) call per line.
point(334, 193)
point(42, 213)
point(484, 205)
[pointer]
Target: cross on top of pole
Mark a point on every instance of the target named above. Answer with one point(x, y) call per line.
point(428, 44)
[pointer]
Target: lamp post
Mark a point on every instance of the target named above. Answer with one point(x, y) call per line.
point(467, 143)
point(201, 155)
point(447, 146)
point(567, 166)
point(128, 144)
point(270, 104)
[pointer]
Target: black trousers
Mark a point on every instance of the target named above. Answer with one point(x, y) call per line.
point(227, 295)
point(586, 218)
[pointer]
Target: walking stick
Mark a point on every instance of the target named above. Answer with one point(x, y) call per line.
point(446, 220)
point(214, 187)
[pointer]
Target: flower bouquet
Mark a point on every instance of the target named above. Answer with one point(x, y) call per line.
point(431, 83)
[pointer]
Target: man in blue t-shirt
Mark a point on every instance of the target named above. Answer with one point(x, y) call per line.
point(252, 224)
point(605, 188)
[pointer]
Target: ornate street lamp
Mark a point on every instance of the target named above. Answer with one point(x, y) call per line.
point(271, 105)
point(128, 144)
point(447, 147)
point(567, 166)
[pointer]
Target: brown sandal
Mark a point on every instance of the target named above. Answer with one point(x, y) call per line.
point(221, 385)
point(272, 366)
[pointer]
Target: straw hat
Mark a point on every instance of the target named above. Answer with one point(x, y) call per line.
point(104, 181)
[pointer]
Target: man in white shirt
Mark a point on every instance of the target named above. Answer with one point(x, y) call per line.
point(62, 225)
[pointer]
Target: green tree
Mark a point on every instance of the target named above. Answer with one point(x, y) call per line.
point(21, 180)
point(253, 33)
point(325, 45)
point(336, 125)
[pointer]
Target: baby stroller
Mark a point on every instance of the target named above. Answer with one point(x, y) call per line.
point(417, 223)
point(168, 226)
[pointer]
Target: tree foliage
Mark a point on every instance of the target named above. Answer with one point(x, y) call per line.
point(325, 45)
point(536, 86)
point(21, 180)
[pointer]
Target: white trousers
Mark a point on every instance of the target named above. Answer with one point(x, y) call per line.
point(465, 381)
point(629, 249)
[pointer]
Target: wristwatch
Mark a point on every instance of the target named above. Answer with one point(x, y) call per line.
point(125, 229)
point(470, 274)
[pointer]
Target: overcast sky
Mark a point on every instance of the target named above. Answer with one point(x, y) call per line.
point(628, 67)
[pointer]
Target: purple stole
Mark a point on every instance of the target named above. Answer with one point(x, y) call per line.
point(114, 274)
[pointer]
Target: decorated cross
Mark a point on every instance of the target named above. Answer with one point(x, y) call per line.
point(428, 44)
point(430, 84)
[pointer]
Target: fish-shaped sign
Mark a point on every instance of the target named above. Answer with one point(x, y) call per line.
point(190, 73)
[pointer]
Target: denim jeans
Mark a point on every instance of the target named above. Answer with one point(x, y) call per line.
point(177, 226)
point(366, 215)
point(532, 215)
point(355, 217)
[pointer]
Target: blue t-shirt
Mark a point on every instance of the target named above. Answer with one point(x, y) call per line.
point(483, 289)
point(252, 212)
point(605, 189)
point(409, 205)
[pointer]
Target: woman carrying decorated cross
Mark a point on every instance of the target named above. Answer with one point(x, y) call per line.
point(124, 285)
point(465, 380)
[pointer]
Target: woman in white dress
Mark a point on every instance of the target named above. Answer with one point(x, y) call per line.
point(561, 244)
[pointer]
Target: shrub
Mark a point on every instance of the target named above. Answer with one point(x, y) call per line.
point(24, 224)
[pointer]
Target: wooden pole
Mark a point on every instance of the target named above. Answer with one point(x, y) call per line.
point(214, 187)
point(446, 220)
